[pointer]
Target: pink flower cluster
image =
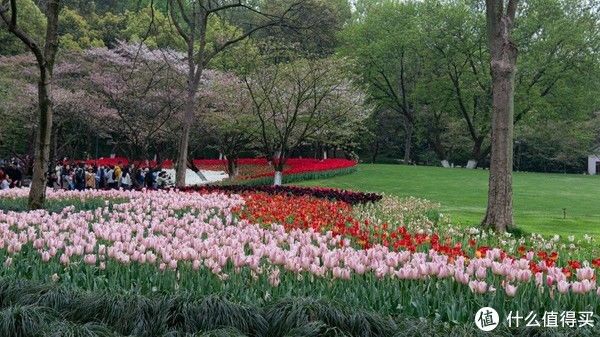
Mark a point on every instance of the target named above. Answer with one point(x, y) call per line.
point(170, 229)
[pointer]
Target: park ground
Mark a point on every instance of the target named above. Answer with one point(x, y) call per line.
point(541, 200)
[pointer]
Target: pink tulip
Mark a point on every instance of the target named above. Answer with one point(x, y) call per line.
point(478, 287)
point(563, 287)
point(585, 273)
point(511, 290)
point(90, 259)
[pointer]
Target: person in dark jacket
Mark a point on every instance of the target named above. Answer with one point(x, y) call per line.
point(79, 179)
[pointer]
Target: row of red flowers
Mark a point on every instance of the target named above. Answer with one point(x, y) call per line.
point(292, 165)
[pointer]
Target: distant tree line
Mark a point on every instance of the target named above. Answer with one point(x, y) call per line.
point(415, 73)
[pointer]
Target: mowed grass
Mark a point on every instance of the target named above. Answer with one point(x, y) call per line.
point(539, 198)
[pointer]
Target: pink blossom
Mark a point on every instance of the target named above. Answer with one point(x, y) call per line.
point(511, 290)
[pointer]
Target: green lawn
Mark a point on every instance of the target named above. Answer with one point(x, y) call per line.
point(539, 198)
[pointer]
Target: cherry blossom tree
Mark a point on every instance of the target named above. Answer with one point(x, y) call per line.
point(228, 118)
point(299, 100)
point(192, 20)
point(143, 89)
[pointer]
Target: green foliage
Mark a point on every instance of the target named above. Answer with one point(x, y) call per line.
point(100, 314)
point(315, 25)
point(15, 128)
point(239, 57)
point(110, 27)
point(21, 321)
point(75, 32)
point(56, 206)
point(31, 19)
point(152, 27)
point(444, 45)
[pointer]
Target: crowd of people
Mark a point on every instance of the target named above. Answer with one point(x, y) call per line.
point(11, 173)
point(82, 176)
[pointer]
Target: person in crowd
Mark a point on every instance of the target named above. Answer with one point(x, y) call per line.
point(162, 179)
point(125, 181)
point(64, 174)
point(70, 178)
point(138, 178)
point(58, 171)
point(100, 178)
point(90, 179)
point(79, 177)
point(118, 172)
point(5, 182)
point(14, 172)
point(150, 179)
point(53, 180)
point(111, 181)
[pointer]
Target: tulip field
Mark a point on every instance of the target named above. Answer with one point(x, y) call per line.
point(284, 261)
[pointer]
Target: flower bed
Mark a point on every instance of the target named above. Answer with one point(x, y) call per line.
point(256, 171)
point(349, 197)
point(393, 257)
point(293, 165)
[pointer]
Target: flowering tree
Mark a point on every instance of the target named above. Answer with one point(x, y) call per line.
point(299, 100)
point(192, 21)
point(228, 117)
point(142, 93)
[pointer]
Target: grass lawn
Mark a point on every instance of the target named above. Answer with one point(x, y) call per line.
point(539, 198)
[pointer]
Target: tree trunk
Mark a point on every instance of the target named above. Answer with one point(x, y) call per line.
point(37, 193)
point(475, 153)
point(278, 164)
point(375, 152)
point(54, 149)
point(278, 179)
point(436, 144)
point(184, 140)
point(45, 59)
point(407, 141)
point(231, 167)
point(503, 52)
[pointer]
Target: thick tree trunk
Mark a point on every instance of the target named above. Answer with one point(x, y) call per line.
point(37, 193)
point(499, 213)
point(500, 207)
point(45, 60)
